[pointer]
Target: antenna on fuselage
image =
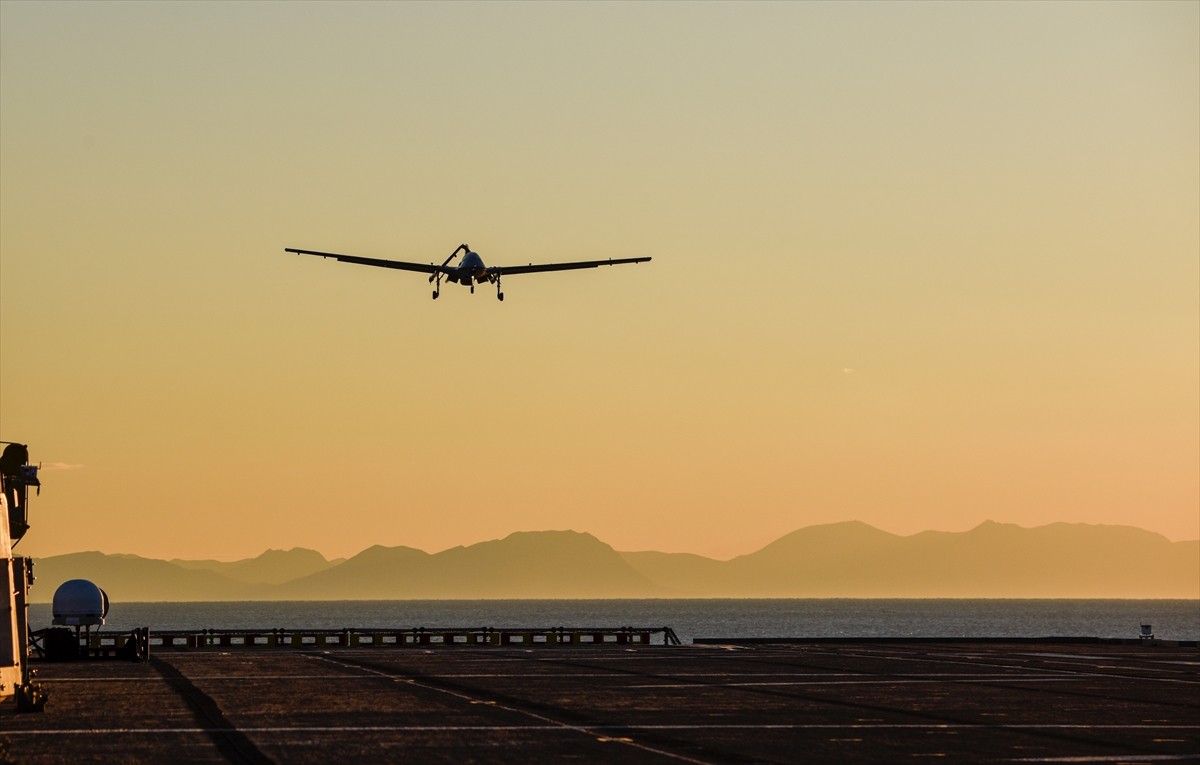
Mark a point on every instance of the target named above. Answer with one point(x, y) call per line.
point(462, 247)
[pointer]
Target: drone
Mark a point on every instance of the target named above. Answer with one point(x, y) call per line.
point(470, 269)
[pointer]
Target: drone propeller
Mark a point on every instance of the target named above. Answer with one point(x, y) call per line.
point(447, 260)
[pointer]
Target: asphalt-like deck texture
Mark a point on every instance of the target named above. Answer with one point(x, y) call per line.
point(844, 703)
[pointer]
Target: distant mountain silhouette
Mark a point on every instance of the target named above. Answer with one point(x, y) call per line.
point(133, 578)
point(371, 575)
point(272, 567)
point(545, 564)
point(993, 560)
point(684, 574)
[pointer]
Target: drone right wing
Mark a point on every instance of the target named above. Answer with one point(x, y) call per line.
point(539, 267)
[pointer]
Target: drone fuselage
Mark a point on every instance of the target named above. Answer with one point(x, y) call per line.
point(470, 270)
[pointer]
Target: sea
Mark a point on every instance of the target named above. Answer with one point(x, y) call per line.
point(690, 619)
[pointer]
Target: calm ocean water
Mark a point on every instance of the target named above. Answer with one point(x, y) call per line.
point(1171, 619)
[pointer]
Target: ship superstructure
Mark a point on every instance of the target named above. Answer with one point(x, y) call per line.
point(16, 572)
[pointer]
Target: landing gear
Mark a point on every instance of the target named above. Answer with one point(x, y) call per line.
point(436, 277)
point(499, 294)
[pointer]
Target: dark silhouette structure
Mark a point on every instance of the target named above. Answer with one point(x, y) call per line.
point(16, 574)
point(17, 475)
point(470, 270)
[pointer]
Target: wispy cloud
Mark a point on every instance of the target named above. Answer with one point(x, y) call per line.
point(58, 466)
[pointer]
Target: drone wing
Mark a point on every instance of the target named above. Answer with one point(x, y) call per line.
point(425, 268)
point(534, 268)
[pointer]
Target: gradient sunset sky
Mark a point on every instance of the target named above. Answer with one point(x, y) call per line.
point(915, 264)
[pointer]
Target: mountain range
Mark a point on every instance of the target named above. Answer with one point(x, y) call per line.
point(841, 560)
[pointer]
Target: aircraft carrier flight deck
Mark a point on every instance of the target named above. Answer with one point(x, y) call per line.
point(785, 702)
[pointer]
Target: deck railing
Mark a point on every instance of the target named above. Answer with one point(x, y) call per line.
point(101, 644)
point(418, 637)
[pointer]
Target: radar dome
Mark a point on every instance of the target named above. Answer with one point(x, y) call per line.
point(80, 602)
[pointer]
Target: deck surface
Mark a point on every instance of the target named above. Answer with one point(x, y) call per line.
point(845, 703)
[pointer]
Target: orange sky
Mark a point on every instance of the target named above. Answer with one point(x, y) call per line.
point(919, 265)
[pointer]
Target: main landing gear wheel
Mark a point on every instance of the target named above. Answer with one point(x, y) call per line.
point(500, 296)
point(436, 277)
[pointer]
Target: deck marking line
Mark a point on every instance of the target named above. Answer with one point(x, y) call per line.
point(594, 729)
point(589, 731)
point(897, 681)
point(931, 659)
point(1112, 758)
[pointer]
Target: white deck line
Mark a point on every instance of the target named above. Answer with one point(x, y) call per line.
point(599, 728)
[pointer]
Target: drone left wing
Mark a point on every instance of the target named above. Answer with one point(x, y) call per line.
point(535, 267)
point(425, 268)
